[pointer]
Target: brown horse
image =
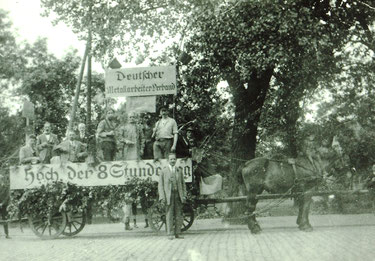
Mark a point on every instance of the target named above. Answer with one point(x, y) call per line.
point(277, 176)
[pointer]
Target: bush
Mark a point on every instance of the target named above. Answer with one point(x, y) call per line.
point(60, 196)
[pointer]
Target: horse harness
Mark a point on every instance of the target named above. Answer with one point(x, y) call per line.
point(298, 180)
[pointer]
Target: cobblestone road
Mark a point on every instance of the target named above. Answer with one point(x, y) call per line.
point(336, 237)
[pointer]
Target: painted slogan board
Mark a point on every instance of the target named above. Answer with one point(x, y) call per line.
point(104, 174)
point(140, 81)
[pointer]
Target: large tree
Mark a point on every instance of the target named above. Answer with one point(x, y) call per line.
point(292, 43)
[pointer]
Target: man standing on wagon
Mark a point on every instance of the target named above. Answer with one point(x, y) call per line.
point(82, 135)
point(28, 153)
point(70, 149)
point(45, 143)
point(172, 191)
point(106, 136)
point(165, 134)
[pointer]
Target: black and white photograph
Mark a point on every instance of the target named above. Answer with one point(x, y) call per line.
point(187, 130)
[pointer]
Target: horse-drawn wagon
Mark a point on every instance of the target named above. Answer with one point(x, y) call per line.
point(282, 180)
point(59, 179)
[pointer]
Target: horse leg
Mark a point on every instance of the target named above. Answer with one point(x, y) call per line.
point(299, 202)
point(252, 222)
point(304, 223)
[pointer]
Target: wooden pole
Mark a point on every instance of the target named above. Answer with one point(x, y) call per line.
point(88, 116)
point(27, 128)
point(76, 94)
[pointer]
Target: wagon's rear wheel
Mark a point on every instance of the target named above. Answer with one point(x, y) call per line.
point(157, 216)
point(188, 217)
point(47, 226)
point(75, 223)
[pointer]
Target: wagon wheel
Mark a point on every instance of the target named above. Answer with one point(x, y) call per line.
point(47, 226)
point(157, 216)
point(188, 217)
point(75, 223)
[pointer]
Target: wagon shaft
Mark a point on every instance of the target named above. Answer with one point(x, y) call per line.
point(274, 196)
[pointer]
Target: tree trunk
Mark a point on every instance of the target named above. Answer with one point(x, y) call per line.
point(76, 93)
point(248, 101)
point(291, 128)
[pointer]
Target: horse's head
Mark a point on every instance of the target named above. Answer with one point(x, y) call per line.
point(337, 169)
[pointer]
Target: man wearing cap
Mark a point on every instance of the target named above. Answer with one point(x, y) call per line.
point(28, 153)
point(165, 134)
point(45, 143)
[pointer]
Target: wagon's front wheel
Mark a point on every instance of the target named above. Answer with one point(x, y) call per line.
point(47, 226)
point(188, 217)
point(75, 223)
point(156, 216)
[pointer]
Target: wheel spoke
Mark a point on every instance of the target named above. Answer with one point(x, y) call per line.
point(75, 221)
point(70, 228)
point(37, 226)
point(44, 228)
point(55, 226)
point(74, 226)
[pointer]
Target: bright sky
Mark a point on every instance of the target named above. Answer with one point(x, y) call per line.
point(29, 25)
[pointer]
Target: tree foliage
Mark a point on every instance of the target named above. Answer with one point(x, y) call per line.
point(49, 84)
point(123, 27)
point(11, 59)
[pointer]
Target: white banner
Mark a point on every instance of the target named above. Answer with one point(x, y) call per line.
point(141, 104)
point(140, 81)
point(106, 173)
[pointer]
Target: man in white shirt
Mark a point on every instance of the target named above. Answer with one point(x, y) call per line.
point(165, 134)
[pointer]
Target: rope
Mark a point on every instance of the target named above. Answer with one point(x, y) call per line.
point(298, 165)
point(205, 170)
point(207, 139)
point(227, 158)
